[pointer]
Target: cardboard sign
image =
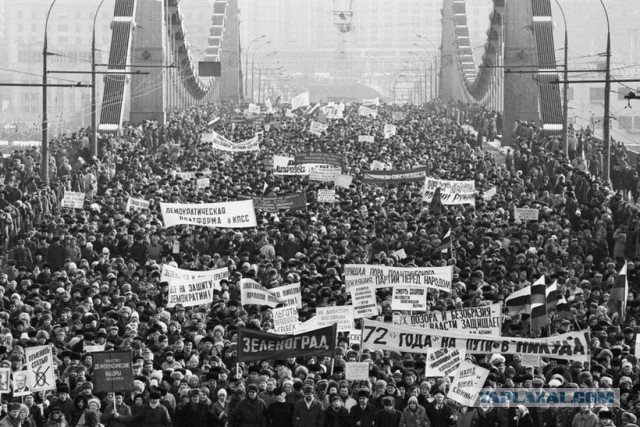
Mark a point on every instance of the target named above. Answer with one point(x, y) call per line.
point(73, 200)
point(5, 380)
point(317, 128)
point(467, 383)
point(364, 302)
point(112, 371)
point(367, 112)
point(202, 182)
point(285, 320)
point(487, 195)
point(342, 315)
point(191, 288)
point(288, 294)
point(533, 360)
point(443, 361)
point(409, 298)
point(389, 130)
point(343, 181)
point(326, 196)
point(21, 385)
point(525, 214)
point(40, 367)
point(283, 165)
point(397, 116)
point(377, 165)
point(366, 138)
point(356, 371)
point(134, 204)
point(252, 292)
point(355, 336)
point(400, 253)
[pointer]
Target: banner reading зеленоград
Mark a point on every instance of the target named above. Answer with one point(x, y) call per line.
point(257, 345)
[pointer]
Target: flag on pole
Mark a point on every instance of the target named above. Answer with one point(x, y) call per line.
point(619, 294)
point(552, 296)
point(520, 301)
point(563, 311)
point(446, 242)
point(539, 318)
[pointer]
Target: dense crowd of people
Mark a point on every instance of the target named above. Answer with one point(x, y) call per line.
point(77, 278)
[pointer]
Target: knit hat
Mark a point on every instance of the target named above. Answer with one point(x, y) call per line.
point(94, 400)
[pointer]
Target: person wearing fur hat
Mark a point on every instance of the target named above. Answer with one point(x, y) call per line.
point(153, 414)
point(309, 411)
point(363, 414)
point(279, 412)
point(63, 401)
point(116, 412)
point(193, 413)
point(13, 416)
point(414, 415)
point(250, 410)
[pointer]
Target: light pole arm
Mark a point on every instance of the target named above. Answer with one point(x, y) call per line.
point(44, 166)
point(94, 110)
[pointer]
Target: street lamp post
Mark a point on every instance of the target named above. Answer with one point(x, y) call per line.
point(44, 167)
point(246, 64)
point(565, 91)
point(94, 118)
point(607, 103)
point(260, 62)
point(437, 55)
point(253, 65)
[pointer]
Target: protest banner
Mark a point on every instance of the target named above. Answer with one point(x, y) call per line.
point(443, 361)
point(93, 348)
point(285, 320)
point(483, 320)
point(385, 336)
point(324, 173)
point(189, 175)
point(373, 101)
point(307, 326)
point(363, 299)
point(278, 203)
point(326, 195)
point(524, 214)
point(341, 315)
point(235, 214)
point(452, 192)
point(5, 380)
point(134, 204)
point(317, 128)
point(40, 368)
point(396, 176)
point(367, 112)
point(319, 158)
point(190, 288)
point(252, 292)
point(221, 143)
point(396, 115)
point(377, 165)
point(287, 166)
point(389, 130)
point(202, 182)
point(288, 294)
point(112, 371)
point(257, 345)
point(438, 278)
point(409, 298)
point(356, 371)
point(343, 181)
point(366, 138)
point(466, 384)
point(301, 100)
point(73, 200)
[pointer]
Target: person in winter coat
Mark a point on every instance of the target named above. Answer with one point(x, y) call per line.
point(336, 415)
point(523, 418)
point(116, 412)
point(466, 417)
point(194, 413)
point(585, 418)
point(137, 409)
point(56, 418)
point(364, 413)
point(220, 409)
point(309, 412)
point(280, 412)
point(154, 414)
point(414, 415)
point(389, 416)
point(439, 413)
point(249, 412)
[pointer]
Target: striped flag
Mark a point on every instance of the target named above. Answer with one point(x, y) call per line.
point(539, 318)
point(520, 301)
point(619, 294)
point(446, 242)
point(552, 296)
